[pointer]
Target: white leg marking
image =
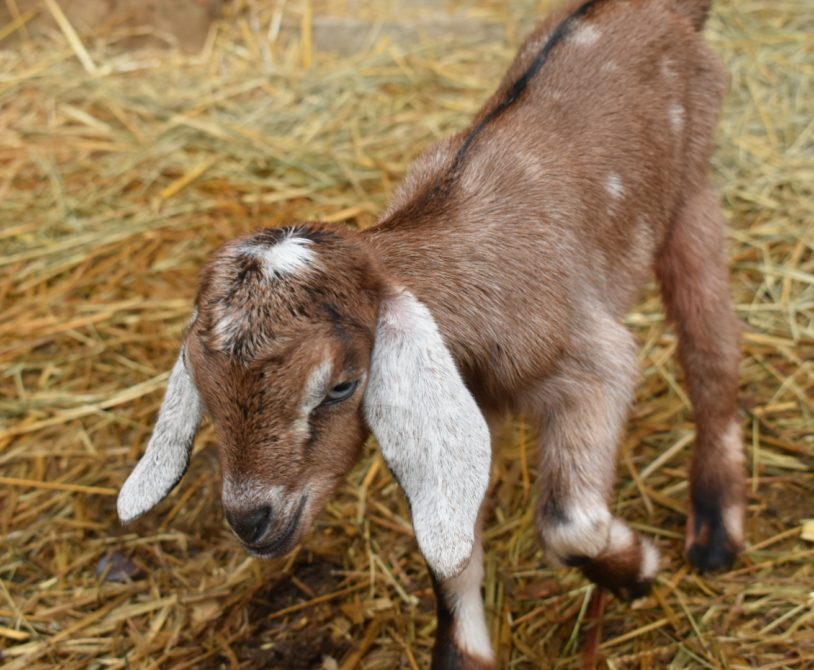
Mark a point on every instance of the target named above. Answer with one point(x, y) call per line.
point(733, 523)
point(732, 444)
point(650, 560)
point(585, 533)
point(621, 536)
point(733, 456)
point(465, 601)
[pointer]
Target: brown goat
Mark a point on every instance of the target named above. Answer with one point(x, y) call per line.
point(494, 283)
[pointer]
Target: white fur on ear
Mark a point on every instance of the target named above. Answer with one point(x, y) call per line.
point(167, 456)
point(430, 430)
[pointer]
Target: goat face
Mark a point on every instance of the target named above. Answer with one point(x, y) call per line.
point(280, 351)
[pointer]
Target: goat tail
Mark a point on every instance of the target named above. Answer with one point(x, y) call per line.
point(695, 10)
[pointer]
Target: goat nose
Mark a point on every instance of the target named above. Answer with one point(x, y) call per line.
point(252, 525)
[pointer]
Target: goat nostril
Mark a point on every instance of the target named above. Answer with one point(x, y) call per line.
point(250, 526)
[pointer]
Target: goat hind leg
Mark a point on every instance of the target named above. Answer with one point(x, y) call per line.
point(692, 268)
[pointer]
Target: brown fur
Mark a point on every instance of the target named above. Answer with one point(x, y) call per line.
point(528, 236)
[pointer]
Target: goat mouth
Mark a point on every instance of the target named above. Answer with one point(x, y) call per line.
point(284, 541)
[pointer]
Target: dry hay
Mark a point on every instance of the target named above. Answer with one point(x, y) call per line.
point(120, 172)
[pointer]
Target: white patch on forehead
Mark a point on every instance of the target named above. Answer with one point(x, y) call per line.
point(286, 257)
point(614, 186)
point(676, 113)
point(586, 34)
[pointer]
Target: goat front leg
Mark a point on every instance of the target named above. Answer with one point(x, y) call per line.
point(585, 406)
point(462, 639)
point(692, 268)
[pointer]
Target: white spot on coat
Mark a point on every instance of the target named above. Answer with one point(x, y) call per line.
point(586, 34)
point(667, 69)
point(676, 113)
point(614, 186)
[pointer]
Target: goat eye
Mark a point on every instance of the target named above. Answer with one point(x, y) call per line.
point(341, 392)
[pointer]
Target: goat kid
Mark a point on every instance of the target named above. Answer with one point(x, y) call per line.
point(494, 283)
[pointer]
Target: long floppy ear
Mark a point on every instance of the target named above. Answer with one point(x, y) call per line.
point(167, 456)
point(430, 430)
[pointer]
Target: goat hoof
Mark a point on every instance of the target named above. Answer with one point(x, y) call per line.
point(710, 548)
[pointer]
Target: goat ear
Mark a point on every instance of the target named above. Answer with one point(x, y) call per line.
point(430, 430)
point(167, 457)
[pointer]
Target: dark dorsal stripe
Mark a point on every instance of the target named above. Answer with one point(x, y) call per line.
point(520, 86)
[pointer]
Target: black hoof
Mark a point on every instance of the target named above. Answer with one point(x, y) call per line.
point(710, 549)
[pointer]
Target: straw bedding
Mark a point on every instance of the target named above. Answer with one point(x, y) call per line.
point(120, 171)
